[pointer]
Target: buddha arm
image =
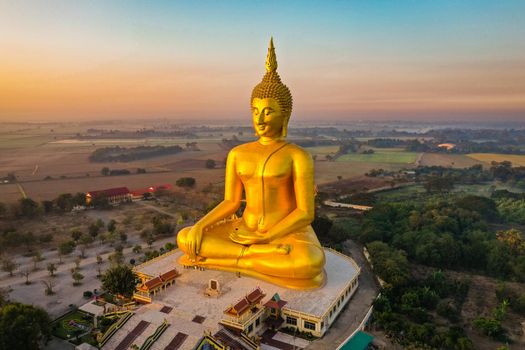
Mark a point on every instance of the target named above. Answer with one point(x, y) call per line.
point(232, 196)
point(303, 214)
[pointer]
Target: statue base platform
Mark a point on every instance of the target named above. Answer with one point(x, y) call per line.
point(193, 313)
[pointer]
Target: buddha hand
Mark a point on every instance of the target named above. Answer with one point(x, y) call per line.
point(194, 240)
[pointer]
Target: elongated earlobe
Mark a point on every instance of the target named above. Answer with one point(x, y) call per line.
point(284, 131)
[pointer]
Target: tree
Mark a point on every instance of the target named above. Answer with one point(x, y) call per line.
point(77, 277)
point(46, 205)
point(513, 239)
point(84, 242)
point(437, 184)
point(76, 234)
point(210, 164)
point(48, 287)
point(120, 280)
point(79, 199)
point(389, 264)
point(23, 327)
point(93, 230)
point(492, 326)
point(51, 268)
point(9, 265)
point(187, 182)
point(148, 237)
point(100, 223)
point(26, 273)
point(104, 171)
point(65, 201)
point(37, 257)
point(65, 248)
point(112, 225)
point(28, 208)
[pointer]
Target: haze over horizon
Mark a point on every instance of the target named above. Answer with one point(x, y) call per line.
point(356, 60)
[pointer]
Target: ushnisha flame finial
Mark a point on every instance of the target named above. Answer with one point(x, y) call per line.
point(271, 58)
point(271, 86)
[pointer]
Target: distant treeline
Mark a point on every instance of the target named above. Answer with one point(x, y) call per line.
point(123, 154)
point(121, 134)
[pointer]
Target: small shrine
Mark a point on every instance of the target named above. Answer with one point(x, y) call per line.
point(213, 289)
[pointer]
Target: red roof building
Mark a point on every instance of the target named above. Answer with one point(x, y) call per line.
point(113, 195)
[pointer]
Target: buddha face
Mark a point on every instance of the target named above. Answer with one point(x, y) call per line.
point(267, 117)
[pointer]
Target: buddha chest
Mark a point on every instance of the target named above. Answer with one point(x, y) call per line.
point(252, 168)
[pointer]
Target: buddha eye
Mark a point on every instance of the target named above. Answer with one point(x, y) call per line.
point(255, 111)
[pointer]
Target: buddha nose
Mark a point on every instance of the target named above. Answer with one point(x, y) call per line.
point(260, 118)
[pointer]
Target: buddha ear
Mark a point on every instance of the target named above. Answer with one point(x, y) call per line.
point(284, 130)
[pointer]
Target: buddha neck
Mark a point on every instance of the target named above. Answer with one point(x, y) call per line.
point(265, 141)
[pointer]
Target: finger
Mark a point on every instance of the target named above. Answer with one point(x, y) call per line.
point(197, 246)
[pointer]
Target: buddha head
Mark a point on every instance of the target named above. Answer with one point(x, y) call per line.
point(271, 101)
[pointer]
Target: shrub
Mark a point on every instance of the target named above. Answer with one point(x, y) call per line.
point(185, 182)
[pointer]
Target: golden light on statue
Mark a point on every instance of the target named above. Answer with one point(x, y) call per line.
point(273, 240)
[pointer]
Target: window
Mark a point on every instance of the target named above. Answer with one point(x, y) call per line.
point(291, 320)
point(322, 325)
point(250, 328)
point(257, 322)
point(309, 325)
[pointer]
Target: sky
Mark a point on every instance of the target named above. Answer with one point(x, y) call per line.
point(342, 60)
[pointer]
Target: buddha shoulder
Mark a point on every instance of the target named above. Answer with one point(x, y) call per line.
point(242, 148)
point(299, 154)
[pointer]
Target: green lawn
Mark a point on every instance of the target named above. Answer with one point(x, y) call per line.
point(64, 330)
point(381, 156)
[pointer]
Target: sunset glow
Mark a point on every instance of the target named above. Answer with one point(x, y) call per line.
point(444, 60)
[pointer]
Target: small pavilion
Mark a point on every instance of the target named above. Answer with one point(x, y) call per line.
point(151, 286)
point(247, 314)
point(274, 307)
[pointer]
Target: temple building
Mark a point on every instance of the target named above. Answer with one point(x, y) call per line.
point(112, 195)
point(247, 315)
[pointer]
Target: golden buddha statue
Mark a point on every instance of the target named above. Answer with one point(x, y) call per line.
point(273, 240)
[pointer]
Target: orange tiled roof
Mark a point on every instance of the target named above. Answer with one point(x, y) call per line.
point(255, 296)
point(171, 274)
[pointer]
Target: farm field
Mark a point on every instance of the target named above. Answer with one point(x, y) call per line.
point(515, 159)
point(381, 156)
point(53, 151)
point(322, 150)
point(448, 160)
